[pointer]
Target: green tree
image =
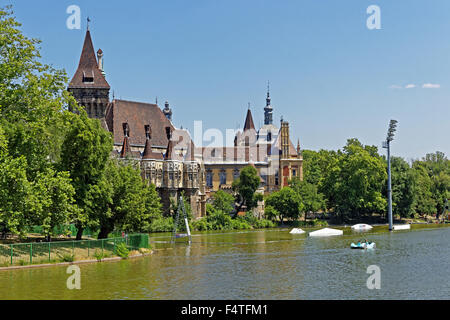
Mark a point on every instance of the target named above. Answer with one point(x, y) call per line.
point(311, 199)
point(33, 100)
point(354, 184)
point(32, 96)
point(121, 200)
point(52, 200)
point(85, 151)
point(433, 183)
point(245, 187)
point(285, 203)
point(403, 187)
point(223, 201)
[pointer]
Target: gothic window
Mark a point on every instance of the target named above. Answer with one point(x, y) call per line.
point(269, 136)
point(223, 177)
point(209, 179)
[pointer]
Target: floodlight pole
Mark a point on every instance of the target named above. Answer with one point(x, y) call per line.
point(387, 145)
point(389, 186)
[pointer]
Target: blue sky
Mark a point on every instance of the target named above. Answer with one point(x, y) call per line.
point(331, 77)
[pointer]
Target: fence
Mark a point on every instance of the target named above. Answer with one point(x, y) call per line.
point(65, 251)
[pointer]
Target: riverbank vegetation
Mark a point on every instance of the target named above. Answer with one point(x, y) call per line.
point(55, 165)
point(350, 184)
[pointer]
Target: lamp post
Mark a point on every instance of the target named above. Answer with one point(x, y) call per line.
point(387, 145)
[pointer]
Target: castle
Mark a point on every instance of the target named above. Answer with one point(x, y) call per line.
point(167, 157)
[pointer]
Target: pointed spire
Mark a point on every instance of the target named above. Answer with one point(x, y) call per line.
point(268, 110)
point(249, 124)
point(190, 155)
point(148, 152)
point(299, 151)
point(126, 149)
point(169, 152)
point(88, 74)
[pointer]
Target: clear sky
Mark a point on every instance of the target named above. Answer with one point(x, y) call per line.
point(331, 77)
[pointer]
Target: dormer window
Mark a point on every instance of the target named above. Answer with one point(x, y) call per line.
point(88, 78)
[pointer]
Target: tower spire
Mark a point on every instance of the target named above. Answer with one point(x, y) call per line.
point(268, 110)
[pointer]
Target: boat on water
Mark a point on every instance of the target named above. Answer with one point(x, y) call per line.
point(402, 227)
point(297, 231)
point(362, 227)
point(326, 233)
point(364, 245)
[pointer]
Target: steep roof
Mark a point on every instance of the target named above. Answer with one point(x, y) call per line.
point(126, 149)
point(249, 125)
point(138, 115)
point(149, 154)
point(88, 67)
point(276, 147)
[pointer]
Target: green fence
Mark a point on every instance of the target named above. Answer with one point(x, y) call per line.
point(61, 251)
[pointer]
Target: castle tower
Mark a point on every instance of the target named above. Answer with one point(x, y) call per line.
point(89, 86)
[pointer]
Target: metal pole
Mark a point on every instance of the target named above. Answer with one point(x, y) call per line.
point(389, 186)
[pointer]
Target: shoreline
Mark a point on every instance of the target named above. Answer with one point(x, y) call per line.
point(46, 265)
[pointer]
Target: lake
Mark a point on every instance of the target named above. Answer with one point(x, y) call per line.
point(268, 264)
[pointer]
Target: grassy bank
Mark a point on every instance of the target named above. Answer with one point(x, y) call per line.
point(21, 254)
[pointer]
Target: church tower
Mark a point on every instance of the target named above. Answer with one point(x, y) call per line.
point(89, 86)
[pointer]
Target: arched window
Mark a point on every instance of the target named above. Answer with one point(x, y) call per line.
point(223, 177)
point(209, 179)
point(269, 136)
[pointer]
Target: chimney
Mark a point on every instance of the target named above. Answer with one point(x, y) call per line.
point(148, 132)
point(100, 61)
point(168, 133)
point(126, 129)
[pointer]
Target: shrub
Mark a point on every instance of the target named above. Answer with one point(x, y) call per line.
point(122, 250)
point(162, 225)
point(67, 257)
point(201, 225)
point(98, 255)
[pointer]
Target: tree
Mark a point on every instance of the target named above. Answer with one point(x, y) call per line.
point(223, 201)
point(51, 200)
point(33, 100)
point(285, 203)
point(353, 186)
point(122, 200)
point(32, 96)
point(433, 183)
point(403, 187)
point(245, 187)
point(84, 154)
point(311, 199)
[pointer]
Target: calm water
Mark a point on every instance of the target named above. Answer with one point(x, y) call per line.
point(269, 264)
